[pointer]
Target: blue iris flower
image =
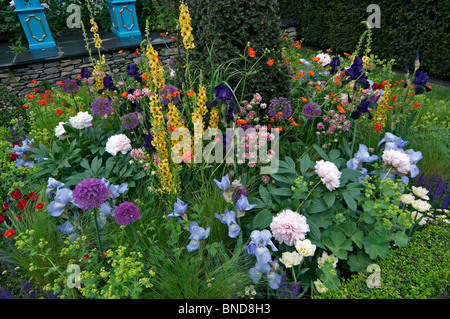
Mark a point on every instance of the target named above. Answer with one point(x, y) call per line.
point(242, 205)
point(224, 184)
point(62, 198)
point(274, 279)
point(224, 95)
point(179, 208)
point(414, 157)
point(392, 142)
point(257, 271)
point(115, 190)
point(229, 219)
point(258, 245)
point(197, 233)
point(52, 185)
point(361, 156)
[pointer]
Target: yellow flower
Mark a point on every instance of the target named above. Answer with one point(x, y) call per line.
point(186, 29)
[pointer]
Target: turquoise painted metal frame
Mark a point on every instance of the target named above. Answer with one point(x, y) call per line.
point(123, 17)
point(34, 23)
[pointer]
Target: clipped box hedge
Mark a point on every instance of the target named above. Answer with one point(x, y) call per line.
point(406, 26)
point(420, 270)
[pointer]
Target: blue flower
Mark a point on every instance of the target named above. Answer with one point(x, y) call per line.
point(242, 205)
point(414, 157)
point(258, 245)
point(179, 208)
point(257, 271)
point(224, 184)
point(274, 279)
point(197, 233)
point(224, 95)
point(62, 198)
point(115, 190)
point(52, 185)
point(392, 142)
point(335, 63)
point(229, 218)
point(420, 80)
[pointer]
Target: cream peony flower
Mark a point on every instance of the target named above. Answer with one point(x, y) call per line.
point(407, 199)
point(322, 260)
point(290, 259)
point(321, 288)
point(305, 247)
point(416, 215)
point(60, 132)
point(118, 143)
point(420, 192)
point(81, 120)
point(421, 205)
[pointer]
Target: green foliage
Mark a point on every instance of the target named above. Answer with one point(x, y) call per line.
point(225, 29)
point(405, 277)
point(337, 26)
point(10, 108)
point(162, 15)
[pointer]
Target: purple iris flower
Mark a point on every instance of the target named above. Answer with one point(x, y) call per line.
point(108, 84)
point(363, 107)
point(224, 95)
point(420, 80)
point(133, 71)
point(85, 73)
point(335, 63)
point(354, 72)
point(148, 143)
point(197, 233)
point(229, 219)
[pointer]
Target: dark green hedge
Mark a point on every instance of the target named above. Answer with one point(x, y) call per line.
point(227, 26)
point(406, 26)
point(419, 270)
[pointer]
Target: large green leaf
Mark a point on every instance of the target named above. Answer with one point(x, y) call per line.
point(338, 244)
point(358, 261)
point(262, 219)
point(376, 246)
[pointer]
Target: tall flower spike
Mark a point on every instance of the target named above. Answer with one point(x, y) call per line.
point(186, 29)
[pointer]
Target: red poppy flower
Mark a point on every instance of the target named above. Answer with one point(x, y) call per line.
point(5, 206)
point(13, 157)
point(34, 81)
point(30, 96)
point(270, 62)
point(59, 112)
point(39, 205)
point(42, 102)
point(2, 218)
point(26, 106)
point(9, 233)
point(33, 196)
point(16, 194)
point(86, 256)
point(22, 204)
point(416, 105)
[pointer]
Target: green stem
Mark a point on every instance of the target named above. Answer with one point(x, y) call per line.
point(98, 232)
point(317, 184)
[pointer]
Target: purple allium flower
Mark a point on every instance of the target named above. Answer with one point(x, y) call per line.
point(311, 111)
point(167, 97)
point(280, 104)
point(130, 120)
point(126, 213)
point(90, 193)
point(70, 86)
point(101, 106)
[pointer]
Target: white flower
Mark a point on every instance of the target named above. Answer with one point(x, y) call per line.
point(321, 288)
point(290, 259)
point(81, 120)
point(421, 205)
point(305, 247)
point(60, 132)
point(407, 199)
point(118, 143)
point(416, 215)
point(325, 256)
point(420, 192)
point(12, 4)
point(329, 174)
point(397, 159)
point(46, 6)
point(325, 59)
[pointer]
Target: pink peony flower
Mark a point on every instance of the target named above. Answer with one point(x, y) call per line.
point(397, 159)
point(257, 97)
point(288, 227)
point(118, 143)
point(329, 174)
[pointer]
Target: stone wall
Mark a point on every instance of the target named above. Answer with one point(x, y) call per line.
point(18, 78)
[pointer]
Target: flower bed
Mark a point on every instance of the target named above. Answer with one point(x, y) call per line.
point(132, 186)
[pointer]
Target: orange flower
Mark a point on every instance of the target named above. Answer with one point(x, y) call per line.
point(190, 93)
point(295, 76)
point(251, 52)
point(377, 127)
point(59, 112)
point(347, 54)
point(240, 121)
point(340, 109)
point(34, 81)
point(316, 59)
point(120, 51)
point(304, 99)
point(294, 124)
point(417, 105)
point(270, 62)
point(311, 73)
point(42, 102)
point(78, 76)
point(297, 45)
point(279, 129)
point(301, 73)
point(60, 82)
point(124, 94)
point(144, 76)
point(389, 107)
point(26, 106)
point(30, 96)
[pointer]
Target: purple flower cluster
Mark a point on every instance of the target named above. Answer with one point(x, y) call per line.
point(90, 193)
point(126, 213)
point(438, 188)
point(282, 105)
point(70, 86)
point(130, 120)
point(101, 106)
point(311, 111)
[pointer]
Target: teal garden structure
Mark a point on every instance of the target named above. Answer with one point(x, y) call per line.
point(34, 23)
point(123, 18)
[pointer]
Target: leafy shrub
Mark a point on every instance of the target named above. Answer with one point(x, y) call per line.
point(10, 107)
point(224, 30)
point(402, 275)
